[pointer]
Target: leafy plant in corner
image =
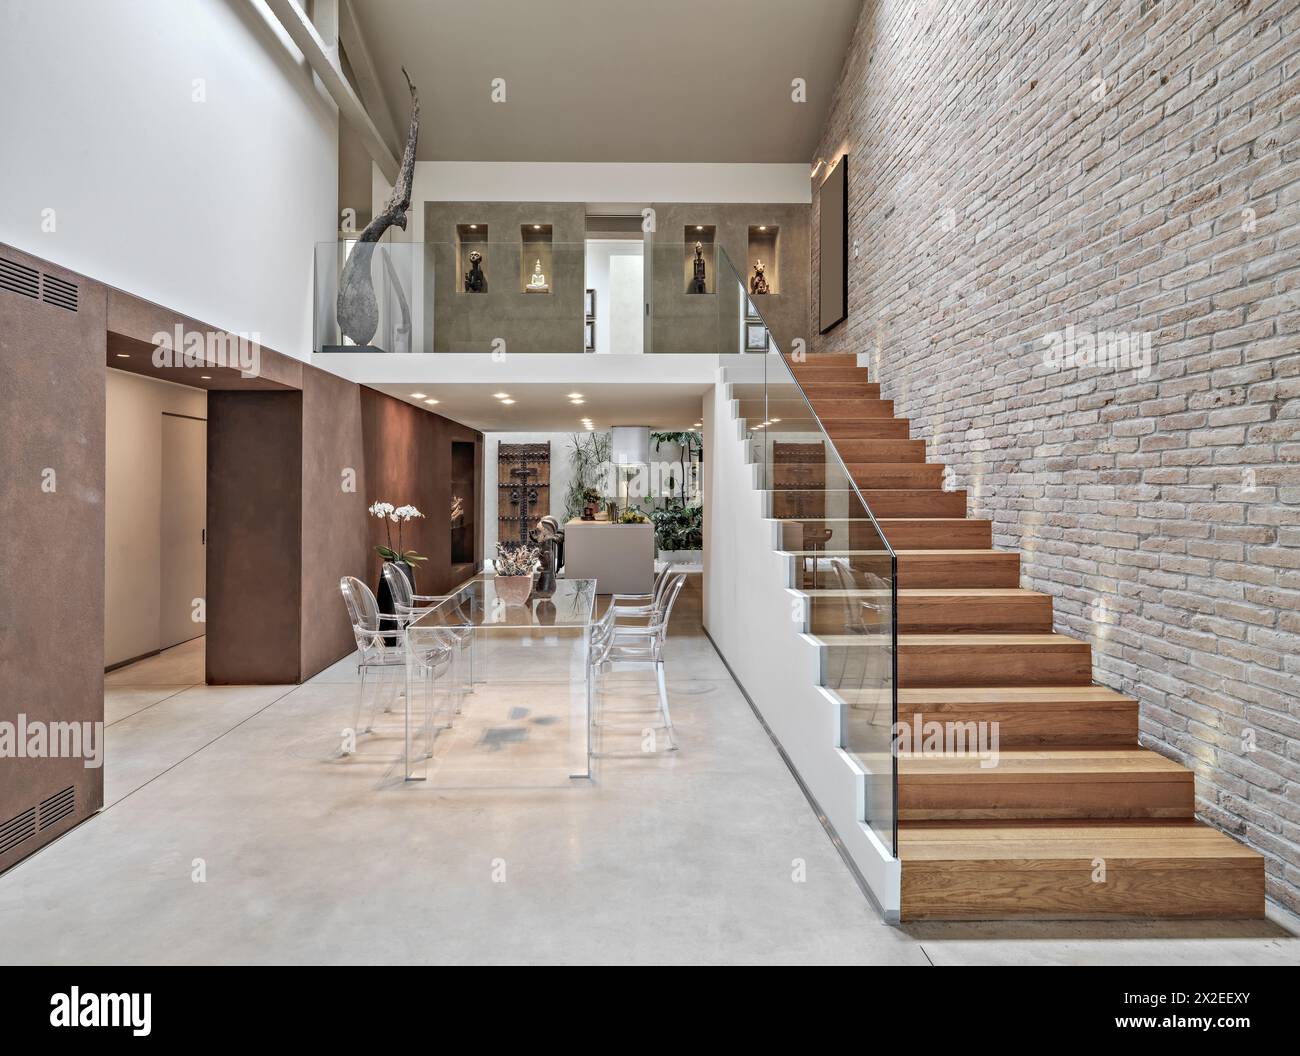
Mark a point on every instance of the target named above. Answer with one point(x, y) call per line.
point(679, 527)
point(587, 459)
point(689, 441)
point(398, 515)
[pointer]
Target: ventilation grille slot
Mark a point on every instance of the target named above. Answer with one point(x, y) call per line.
point(57, 807)
point(15, 830)
point(19, 278)
point(60, 293)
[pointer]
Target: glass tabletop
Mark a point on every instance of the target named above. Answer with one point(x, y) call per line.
point(478, 603)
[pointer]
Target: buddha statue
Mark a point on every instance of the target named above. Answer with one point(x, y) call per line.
point(475, 280)
point(758, 284)
point(698, 284)
point(538, 284)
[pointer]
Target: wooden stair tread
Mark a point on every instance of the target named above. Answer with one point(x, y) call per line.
point(939, 695)
point(959, 640)
point(1134, 840)
point(1043, 764)
point(921, 592)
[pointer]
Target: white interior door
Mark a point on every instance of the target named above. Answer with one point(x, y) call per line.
point(184, 522)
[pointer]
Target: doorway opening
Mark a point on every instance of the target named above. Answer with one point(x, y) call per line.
point(614, 303)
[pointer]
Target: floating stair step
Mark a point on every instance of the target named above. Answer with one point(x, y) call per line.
point(984, 870)
point(840, 429)
point(958, 568)
point(1042, 783)
point(834, 609)
point(795, 411)
point(967, 610)
point(833, 533)
point(816, 375)
point(863, 449)
point(825, 359)
point(901, 475)
point(993, 660)
point(1027, 716)
point(937, 533)
point(914, 502)
point(874, 452)
point(819, 391)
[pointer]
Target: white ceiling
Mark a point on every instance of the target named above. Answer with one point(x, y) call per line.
point(546, 408)
point(611, 80)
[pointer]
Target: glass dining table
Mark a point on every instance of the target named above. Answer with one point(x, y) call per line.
point(498, 692)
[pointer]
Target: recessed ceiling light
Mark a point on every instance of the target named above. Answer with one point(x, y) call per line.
point(124, 355)
point(699, 227)
point(430, 400)
point(507, 401)
point(500, 395)
point(537, 227)
point(577, 403)
point(473, 227)
point(774, 421)
point(205, 377)
point(575, 395)
point(762, 227)
point(417, 395)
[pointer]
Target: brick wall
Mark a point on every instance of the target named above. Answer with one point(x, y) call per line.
point(1126, 167)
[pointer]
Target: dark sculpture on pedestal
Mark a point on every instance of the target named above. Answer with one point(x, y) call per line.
point(475, 280)
point(357, 309)
point(698, 281)
point(758, 284)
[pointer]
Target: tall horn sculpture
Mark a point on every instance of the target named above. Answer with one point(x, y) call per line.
point(357, 309)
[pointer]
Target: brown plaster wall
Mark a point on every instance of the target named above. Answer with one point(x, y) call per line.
point(51, 564)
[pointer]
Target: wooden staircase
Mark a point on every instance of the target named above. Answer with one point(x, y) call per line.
point(1075, 820)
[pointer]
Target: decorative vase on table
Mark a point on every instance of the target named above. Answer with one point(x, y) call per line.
point(388, 623)
point(514, 590)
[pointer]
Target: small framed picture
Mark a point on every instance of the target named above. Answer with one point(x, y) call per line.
point(589, 304)
point(755, 337)
point(589, 335)
point(751, 312)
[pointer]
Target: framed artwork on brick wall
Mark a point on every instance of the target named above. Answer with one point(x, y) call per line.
point(833, 256)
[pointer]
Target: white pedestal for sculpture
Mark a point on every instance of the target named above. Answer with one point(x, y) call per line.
point(619, 557)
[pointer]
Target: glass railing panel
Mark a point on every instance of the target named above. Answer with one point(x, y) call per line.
point(845, 567)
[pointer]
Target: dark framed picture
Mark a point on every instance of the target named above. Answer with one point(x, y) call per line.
point(589, 335)
point(833, 255)
point(589, 304)
point(755, 337)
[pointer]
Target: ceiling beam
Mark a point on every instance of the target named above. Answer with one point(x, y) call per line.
point(323, 59)
point(363, 68)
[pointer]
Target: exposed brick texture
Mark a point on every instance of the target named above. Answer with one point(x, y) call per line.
point(1017, 166)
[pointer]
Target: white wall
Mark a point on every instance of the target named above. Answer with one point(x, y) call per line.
point(133, 507)
point(209, 208)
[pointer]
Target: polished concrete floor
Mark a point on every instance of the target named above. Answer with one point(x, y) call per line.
point(233, 832)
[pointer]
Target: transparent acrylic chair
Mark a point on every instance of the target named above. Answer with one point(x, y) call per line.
point(409, 606)
point(614, 643)
point(643, 604)
point(386, 662)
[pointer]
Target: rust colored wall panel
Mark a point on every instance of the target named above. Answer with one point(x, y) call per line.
point(334, 529)
point(254, 537)
point(52, 519)
point(408, 460)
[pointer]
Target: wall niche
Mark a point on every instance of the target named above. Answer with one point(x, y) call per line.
point(703, 234)
point(764, 248)
point(536, 259)
point(472, 238)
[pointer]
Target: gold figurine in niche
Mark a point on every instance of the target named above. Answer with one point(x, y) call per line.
point(698, 280)
point(758, 284)
point(538, 284)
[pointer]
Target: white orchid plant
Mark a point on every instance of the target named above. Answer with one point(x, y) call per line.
point(398, 515)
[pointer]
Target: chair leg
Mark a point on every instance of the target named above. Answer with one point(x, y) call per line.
point(361, 700)
point(663, 705)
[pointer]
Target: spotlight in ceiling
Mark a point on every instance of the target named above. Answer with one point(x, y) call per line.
point(417, 395)
point(762, 227)
point(431, 401)
point(575, 395)
point(699, 227)
point(507, 401)
point(500, 395)
point(537, 227)
point(205, 377)
point(124, 355)
point(577, 403)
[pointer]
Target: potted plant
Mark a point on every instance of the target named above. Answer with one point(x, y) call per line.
point(515, 564)
point(590, 500)
point(404, 559)
point(679, 534)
